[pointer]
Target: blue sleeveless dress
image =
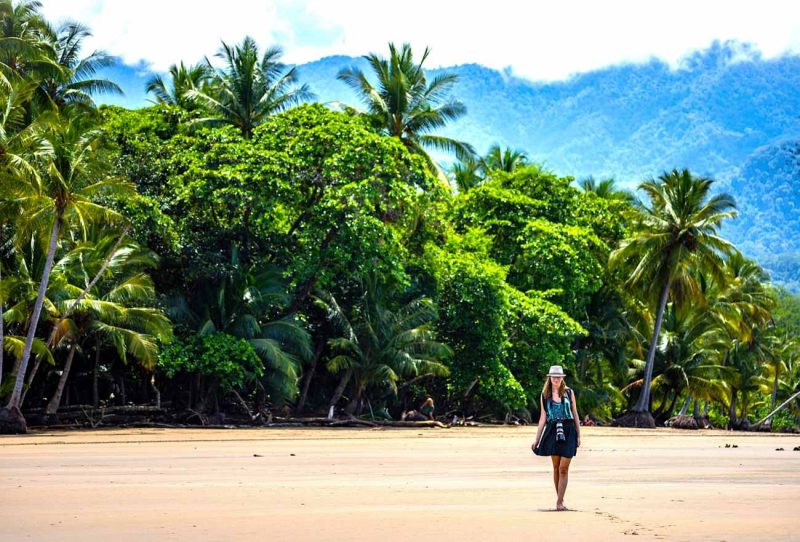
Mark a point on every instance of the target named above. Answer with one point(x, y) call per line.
point(561, 411)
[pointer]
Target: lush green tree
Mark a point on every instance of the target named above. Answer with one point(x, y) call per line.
point(677, 235)
point(218, 358)
point(249, 88)
point(564, 261)
point(405, 104)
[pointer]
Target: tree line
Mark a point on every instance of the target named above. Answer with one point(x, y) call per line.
point(238, 248)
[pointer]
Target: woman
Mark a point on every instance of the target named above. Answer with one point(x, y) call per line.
point(559, 432)
point(427, 407)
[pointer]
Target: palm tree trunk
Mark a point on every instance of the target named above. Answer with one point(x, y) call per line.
point(733, 421)
point(642, 405)
point(155, 389)
point(339, 391)
point(55, 401)
point(95, 394)
point(16, 394)
point(2, 327)
point(31, 376)
point(786, 402)
point(768, 421)
point(301, 403)
point(685, 407)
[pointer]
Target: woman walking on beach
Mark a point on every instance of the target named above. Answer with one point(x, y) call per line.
point(559, 432)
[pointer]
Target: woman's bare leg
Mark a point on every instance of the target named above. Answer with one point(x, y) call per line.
point(556, 459)
point(563, 478)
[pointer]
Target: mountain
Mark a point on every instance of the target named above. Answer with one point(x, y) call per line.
point(725, 112)
point(768, 191)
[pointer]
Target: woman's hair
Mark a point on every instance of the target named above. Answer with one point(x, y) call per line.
point(547, 391)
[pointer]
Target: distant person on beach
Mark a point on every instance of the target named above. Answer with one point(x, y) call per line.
point(424, 413)
point(588, 422)
point(427, 407)
point(558, 434)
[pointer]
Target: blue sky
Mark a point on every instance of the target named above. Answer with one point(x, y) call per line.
point(537, 40)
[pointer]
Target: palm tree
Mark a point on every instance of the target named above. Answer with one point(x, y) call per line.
point(25, 49)
point(466, 174)
point(249, 89)
point(406, 105)
point(380, 345)
point(74, 82)
point(787, 350)
point(677, 235)
point(71, 180)
point(507, 159)
point(606, 189)
point(182, 80)
point(692, 347)
point(119, 313)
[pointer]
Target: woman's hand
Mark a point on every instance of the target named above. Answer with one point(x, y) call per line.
point(579, 442)
point(534, 446)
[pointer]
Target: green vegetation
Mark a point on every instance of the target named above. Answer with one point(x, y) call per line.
point(231, 249)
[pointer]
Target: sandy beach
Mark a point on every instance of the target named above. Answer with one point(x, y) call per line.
point(394, 484)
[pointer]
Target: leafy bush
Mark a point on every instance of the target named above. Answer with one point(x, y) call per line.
point(230, 360)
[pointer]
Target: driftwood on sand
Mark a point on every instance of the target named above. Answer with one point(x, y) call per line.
point(76, 416)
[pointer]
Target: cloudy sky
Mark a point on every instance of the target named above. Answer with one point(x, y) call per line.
point(535, 39)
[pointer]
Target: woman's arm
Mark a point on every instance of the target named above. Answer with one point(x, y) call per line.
point(577, 418)
point(540, 426)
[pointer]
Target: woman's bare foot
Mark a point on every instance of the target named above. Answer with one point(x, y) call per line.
point(560, 507)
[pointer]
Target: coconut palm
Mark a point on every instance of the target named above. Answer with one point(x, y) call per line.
point(606, 189)
point(74, 81)
point(118, 312)
point(677, 235)
point(466, 174)
point(507, 159)
point(691, 348)
point(182, 79)
point(380, 345)
point(249, 89)
point(405, 104)
point(71, 180)
point(25, 49)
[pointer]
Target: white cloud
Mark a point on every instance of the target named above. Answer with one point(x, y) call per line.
point(538, 40)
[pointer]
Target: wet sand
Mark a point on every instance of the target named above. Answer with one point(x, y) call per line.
point(394, 484)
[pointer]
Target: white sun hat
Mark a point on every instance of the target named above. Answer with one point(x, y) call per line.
point(556, 370)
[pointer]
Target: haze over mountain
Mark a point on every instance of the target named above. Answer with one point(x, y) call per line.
point(725, 112)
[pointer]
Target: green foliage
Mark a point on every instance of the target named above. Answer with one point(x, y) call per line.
point(539, 335)
point(232, 361)
point(566, 261)
point(405, 104)
point(787, 311)
point(472, 310)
